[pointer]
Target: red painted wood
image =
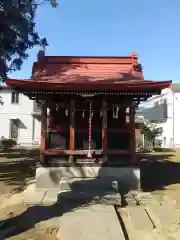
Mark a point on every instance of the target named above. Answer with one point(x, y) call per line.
point(126, 86)
point(133, 138)
point(72, 68)
point(43, 131)
point(72, 126)
point(56, 152)
point(104, 126)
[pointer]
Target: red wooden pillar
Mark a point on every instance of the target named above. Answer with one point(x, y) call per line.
point(43, 131)
point(104, 129)
point(72, 127)
point(133, 138)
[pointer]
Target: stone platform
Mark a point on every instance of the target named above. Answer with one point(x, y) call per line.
point(52, 177)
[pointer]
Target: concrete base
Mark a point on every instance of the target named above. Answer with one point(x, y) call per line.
point(59, 177)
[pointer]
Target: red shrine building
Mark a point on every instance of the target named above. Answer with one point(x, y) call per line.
point(88, 111)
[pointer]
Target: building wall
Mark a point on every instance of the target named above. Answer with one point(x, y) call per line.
point(177, 119)
point(171, 124)
point(23, 112)
point(37, 131)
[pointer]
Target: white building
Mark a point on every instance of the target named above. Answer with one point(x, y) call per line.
point(164, 110)
point(19, 117)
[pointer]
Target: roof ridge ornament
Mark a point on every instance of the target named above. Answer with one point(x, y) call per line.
point(40, 55)
point(133, 55)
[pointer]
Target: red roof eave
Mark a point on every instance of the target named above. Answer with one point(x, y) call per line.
point(128, 86)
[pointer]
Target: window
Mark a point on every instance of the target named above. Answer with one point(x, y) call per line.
point(156, 103)
point(14, 129)
point(15, 98)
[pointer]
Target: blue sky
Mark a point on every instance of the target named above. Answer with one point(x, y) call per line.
point(113, 28)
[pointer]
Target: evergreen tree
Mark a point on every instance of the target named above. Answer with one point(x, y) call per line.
point(18, 33)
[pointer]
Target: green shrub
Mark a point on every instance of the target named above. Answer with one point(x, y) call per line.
point(8, 143)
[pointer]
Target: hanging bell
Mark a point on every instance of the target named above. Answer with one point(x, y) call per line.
point(66, 112)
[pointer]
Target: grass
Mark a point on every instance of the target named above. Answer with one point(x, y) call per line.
point(173, 155)
point(19, 153)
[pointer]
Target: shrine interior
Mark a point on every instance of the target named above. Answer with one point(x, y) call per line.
point(88, 113)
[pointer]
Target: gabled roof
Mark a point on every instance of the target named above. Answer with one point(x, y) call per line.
point(63, 69)
point(108, 74)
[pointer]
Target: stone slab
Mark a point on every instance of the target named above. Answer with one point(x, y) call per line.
point(84, 197)
point(140, 218)
point(165, 214)
point(111, 199)
point(133, 232)
point(50, 197)
point(35, 198)
point(97, 222)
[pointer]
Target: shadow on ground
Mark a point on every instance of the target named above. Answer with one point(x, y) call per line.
point(18, 167)
point(82, 194)
point(158, 171)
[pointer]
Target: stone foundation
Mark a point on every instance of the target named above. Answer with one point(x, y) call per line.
point(54, 177)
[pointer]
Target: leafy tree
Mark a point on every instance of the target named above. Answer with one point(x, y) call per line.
point(150, 131)
point(18, 33)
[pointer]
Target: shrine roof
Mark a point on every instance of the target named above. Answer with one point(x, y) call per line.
point(74, 68)
point(122, 86)
point(108, 74)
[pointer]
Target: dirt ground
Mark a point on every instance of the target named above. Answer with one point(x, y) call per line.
point(17, 170)
point(160, 175)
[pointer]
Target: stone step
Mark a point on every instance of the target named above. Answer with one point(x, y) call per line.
point(49, 197)
point(165, 215)
point(97, 222)
point(109, 199)
point(137, 198)
point(35, 198)
point(136, 231)
point(140, 218)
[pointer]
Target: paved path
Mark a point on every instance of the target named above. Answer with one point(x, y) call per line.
point(152, 222)
point(96, 222)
